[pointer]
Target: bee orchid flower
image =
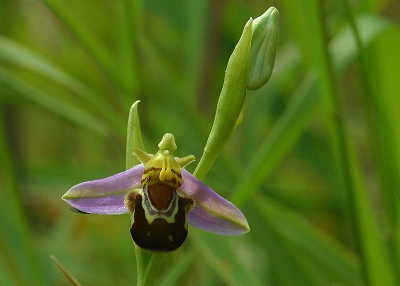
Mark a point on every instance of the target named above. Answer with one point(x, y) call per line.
point(162, 198)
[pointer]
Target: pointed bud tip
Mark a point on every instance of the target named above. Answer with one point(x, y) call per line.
point(263, 48)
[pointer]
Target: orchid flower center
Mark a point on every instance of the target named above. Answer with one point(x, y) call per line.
point(158, 213)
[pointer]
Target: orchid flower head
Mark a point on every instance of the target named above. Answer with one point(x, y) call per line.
point(162, 198)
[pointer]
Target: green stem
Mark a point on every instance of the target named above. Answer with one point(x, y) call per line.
point(150, 276)
point(139, 265)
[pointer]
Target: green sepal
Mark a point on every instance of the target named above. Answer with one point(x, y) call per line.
point(185, 160)
point(134, 136)
point(142, 155)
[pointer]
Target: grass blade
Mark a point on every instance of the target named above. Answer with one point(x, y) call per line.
point(48, 102)
point(18, 55)
point(15, 240)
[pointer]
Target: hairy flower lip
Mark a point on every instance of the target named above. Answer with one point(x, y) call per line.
point(211, 212)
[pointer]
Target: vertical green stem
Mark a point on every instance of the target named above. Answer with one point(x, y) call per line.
point(139, 265)
point(147, 263)
point(150, 275)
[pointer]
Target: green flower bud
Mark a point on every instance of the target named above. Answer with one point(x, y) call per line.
point(263, 48)
point(230, 101)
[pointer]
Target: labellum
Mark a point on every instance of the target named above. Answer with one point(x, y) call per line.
point(158, 213)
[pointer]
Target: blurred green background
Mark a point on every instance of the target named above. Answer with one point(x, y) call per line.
point(314, 165)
